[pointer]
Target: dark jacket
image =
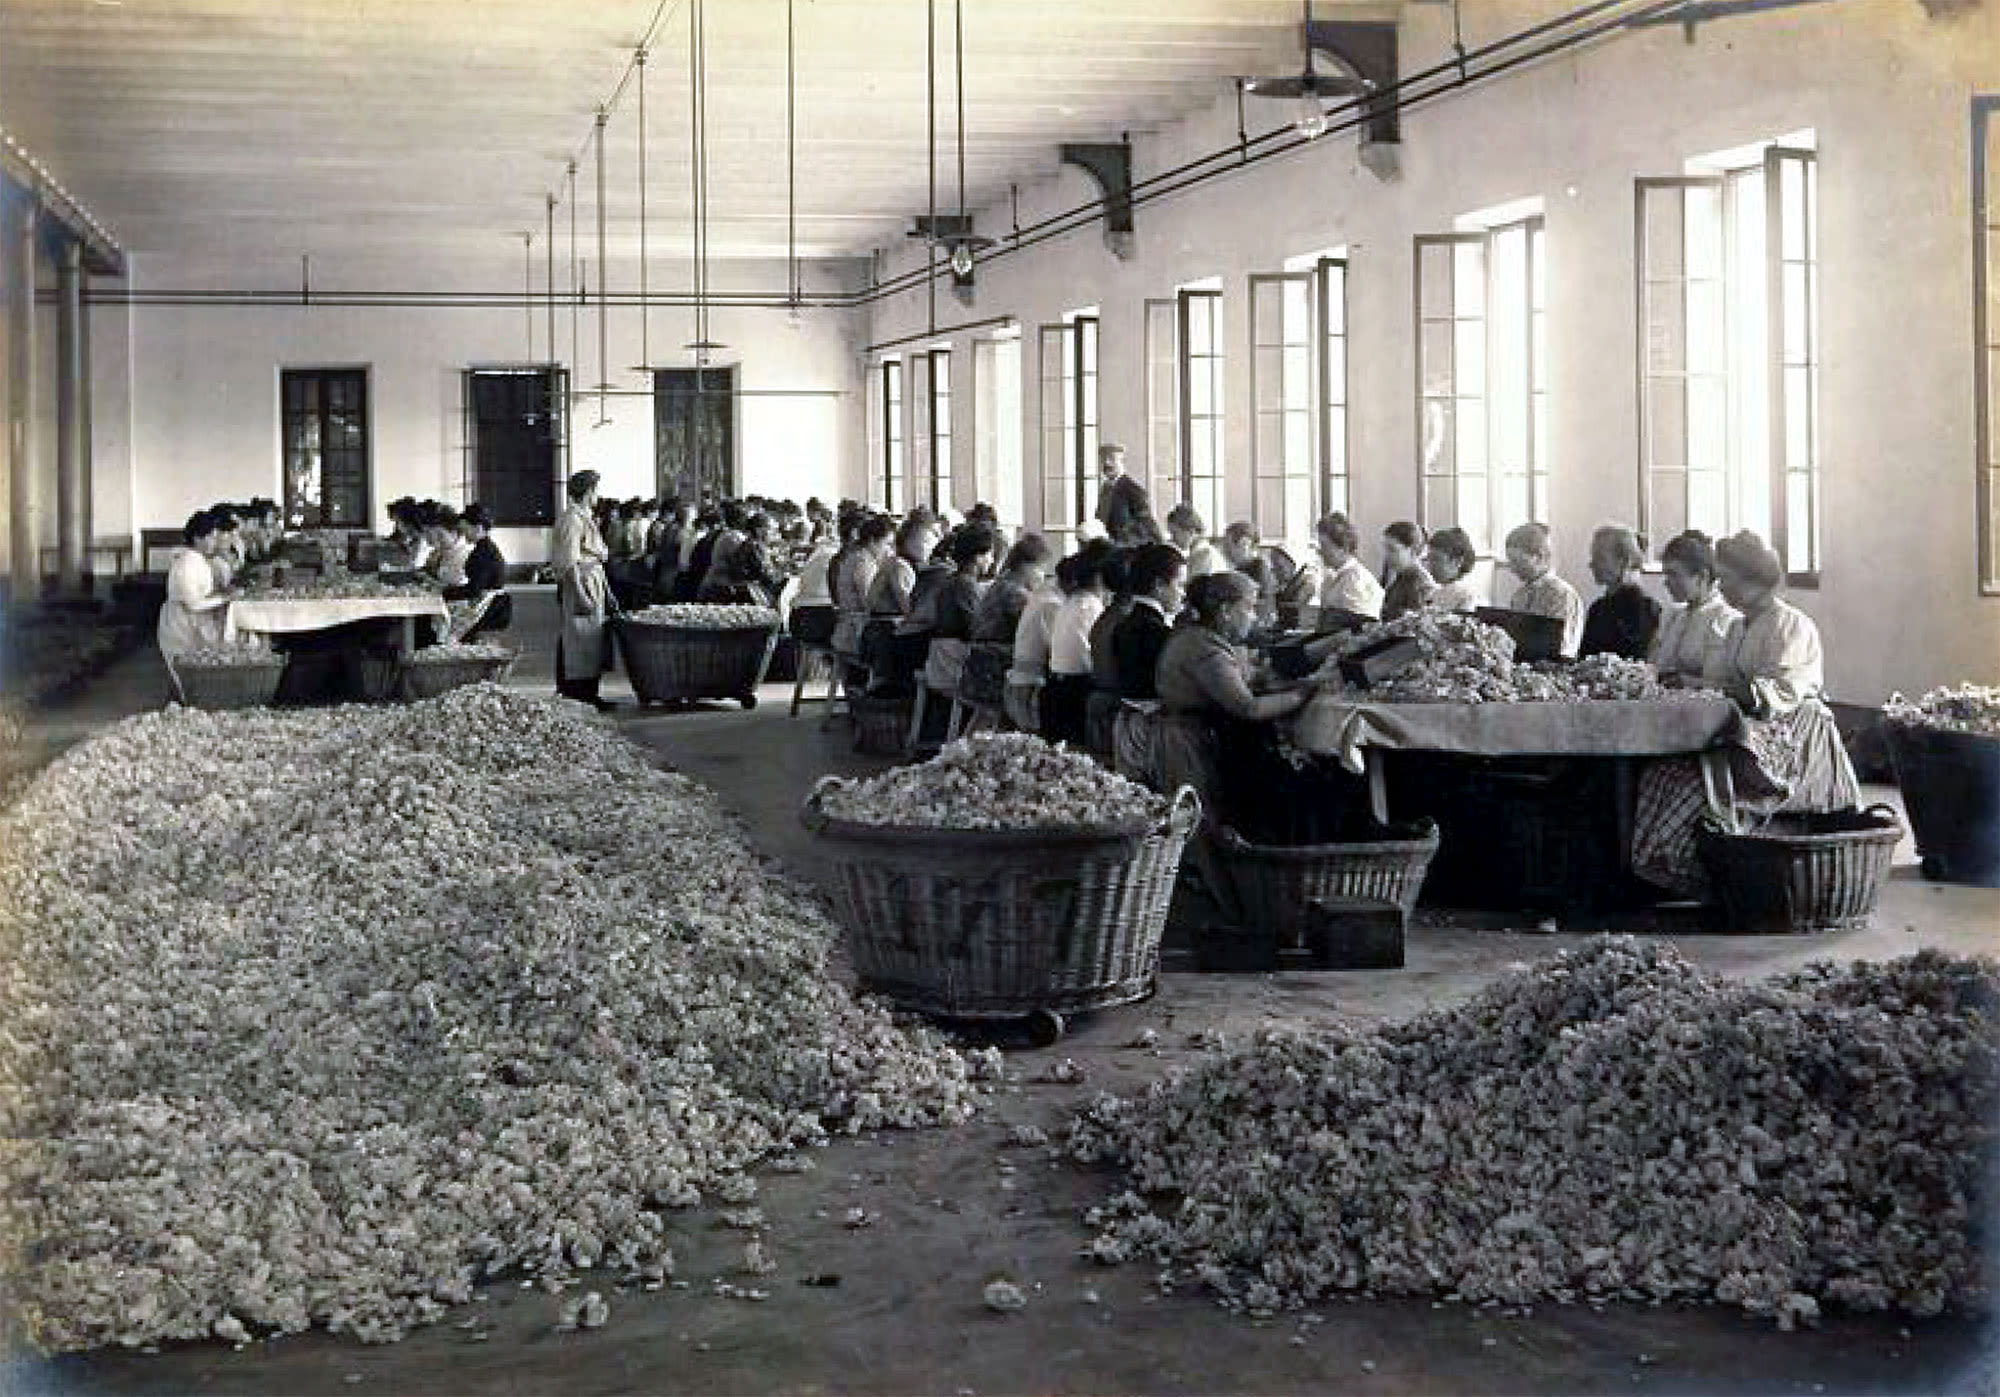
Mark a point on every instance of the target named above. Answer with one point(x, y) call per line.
point(485, 571)
point(1137, 644)
point(1621, 622)
point(1126, 514)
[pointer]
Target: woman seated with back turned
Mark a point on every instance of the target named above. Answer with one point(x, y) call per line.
point(1066, 696)
point(1002, 604)
point(1624, 620)
point(479, 603)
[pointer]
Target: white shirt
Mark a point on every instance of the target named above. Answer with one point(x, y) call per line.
point(450, 562)
point(1351, 587)
point(1031, 637)
point(1455, 596)
point(1688, 633)
point(191, 618)
point(1548, 595)
point(813, 585)
point(1204, 558)
point(1774, 655)
point(1069, 633)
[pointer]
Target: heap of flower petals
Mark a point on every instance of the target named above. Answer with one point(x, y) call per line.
point(994, 781)
point(1614, 1123)
point(323, 1018)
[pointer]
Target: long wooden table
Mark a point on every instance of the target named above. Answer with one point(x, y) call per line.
point(283, 615)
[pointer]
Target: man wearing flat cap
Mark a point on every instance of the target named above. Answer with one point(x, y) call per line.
point(1122, 506)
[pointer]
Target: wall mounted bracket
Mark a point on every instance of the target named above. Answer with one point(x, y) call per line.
point(1109, 164)
point(1366, 49)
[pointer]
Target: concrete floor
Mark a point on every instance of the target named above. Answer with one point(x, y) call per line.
point(955, 1209)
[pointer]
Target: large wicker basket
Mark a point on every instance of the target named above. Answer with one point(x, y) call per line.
point(667, 664)
point(249, 685)
point(1802, 873)
point(1004, 924)
point(881, 722)
point(1276, 885)
point(1951, 787)
point(426, 679)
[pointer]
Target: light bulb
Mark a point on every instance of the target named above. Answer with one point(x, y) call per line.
point(1311, 122)
point(961, 259)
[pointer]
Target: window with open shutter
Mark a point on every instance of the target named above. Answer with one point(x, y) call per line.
point(1054, 355)
point(1163, 398)
point(1200, 334)
point(1281, 392)
point(891, 476)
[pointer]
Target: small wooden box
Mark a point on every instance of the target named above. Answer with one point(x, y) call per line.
point(1352, 934)
point(1380, 662)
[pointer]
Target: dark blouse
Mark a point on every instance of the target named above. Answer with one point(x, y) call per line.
point(1000, 610)
point(1137, 644)
point(957, 604)
point(1409, 590)
point(1621, 622)
point(485, 571)
point(1103, 662)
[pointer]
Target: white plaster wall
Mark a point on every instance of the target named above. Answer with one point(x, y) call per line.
point(205, 412)
point(1886, 88)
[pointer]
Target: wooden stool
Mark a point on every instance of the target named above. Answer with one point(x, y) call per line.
point(809, 654)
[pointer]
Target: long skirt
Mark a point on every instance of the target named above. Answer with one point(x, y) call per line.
point(1790, 764)
point(1022, 701)
point(1133, 756)
point(1065, 708)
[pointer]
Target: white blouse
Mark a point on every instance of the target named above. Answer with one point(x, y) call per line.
point(1688, 632)
point(1773, 658)
point(192, 616)
point(1069, 633)
point(1351, 587)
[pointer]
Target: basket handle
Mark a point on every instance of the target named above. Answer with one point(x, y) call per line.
point(1885, 811)
point(1185, 812)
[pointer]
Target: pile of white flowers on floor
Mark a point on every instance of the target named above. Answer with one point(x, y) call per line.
point(1967, 708)
point(1614, 1123)
point(994, 781)
point(706, 616)
point(453, 652)
point(323, 1018)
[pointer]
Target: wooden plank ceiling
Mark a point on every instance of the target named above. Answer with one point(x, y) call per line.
point(392, 127)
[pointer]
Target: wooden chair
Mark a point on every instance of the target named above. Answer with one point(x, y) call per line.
point(944, 664)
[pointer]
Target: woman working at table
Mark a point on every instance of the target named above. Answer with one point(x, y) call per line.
point(1700, 618)
point(583, 596)
point(192, 616)
point(479, 603)
point(1790, 757)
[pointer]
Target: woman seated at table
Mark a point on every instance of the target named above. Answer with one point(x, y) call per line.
point(1214, 731)
point(962, 590)
point(404, 550)
point(1066, 696)
point(1531, 558)
point(1244, 553)
point(1624, 620)
point(1406, 585)
point(479, 603)
point(1451, 558)
point(852, 578)
point(1029, 672)
point(1003, 603)
point(1346, 585)
point(890, 596)
point(1189, 533)
point(746, 575)
point(192, 616)
point(226, 556)
point(448, 548)
point(1157, 579)
point(1700, 618)
point(1790, 758)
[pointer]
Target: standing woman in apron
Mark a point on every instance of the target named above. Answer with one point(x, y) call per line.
point(583, 596)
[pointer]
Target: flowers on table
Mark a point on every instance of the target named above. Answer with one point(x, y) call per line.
point(994, 781)
point(1613, 1123)
point(1461, 659)
point(326, 1017)
point(707, 616)
point(1966, 708)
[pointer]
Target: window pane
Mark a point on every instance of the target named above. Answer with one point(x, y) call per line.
point(1336, 439)
point(1799, 522)
point(1434, 265)
point(1666, 336)
point(1436, 350)
point(1440, 505)
point(1336, 300)
point(1270, 443)
point(1298, 442)
point(1471, 434)
point(1666, 422)
point(1335, 349)
point(1707, 423)
point(1439, 449)
point(1798, 311)
point(1469, 347)
point(1707, 337)
point(1473, 510)
point(1270, 379)
point(1704, 231)
point(1663, 209)
point(1298, 377)
point(1792, 199)
point(1468, 280)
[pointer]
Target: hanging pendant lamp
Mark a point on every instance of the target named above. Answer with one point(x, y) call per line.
point(963, 245)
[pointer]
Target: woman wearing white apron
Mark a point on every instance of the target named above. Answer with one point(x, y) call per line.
point(583, 596)
point(192, 617)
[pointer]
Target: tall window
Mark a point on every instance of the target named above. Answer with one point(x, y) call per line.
point(1986, 311)
point(1163, 401)
point(1069, 422)
point(1482, 379)
point(996, 374)
point(325, 414)
point(1281, 391)
point(515, 440)
point(1201, 401)
point(1330, 305)
point(1729, 351)
point(892, 435)
point(939, 422)
point(694, 432)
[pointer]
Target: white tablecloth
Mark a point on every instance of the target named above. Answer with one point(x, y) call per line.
point(287, 615)
point(1335, 725)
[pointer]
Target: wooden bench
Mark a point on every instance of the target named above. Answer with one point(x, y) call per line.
point(118, 550)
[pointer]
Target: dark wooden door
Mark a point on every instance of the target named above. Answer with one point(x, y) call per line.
point(694, 432)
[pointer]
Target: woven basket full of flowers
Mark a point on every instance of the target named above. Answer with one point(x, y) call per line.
point(227, 677)
point(1946, 747)
point(1004, 879)
point(438, 669)
point(674, 653)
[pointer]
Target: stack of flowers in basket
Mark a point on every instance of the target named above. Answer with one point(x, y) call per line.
point(992, 781)
point(454, 652)
point(241, 653)
point(693, 616)
point(1966, 708)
